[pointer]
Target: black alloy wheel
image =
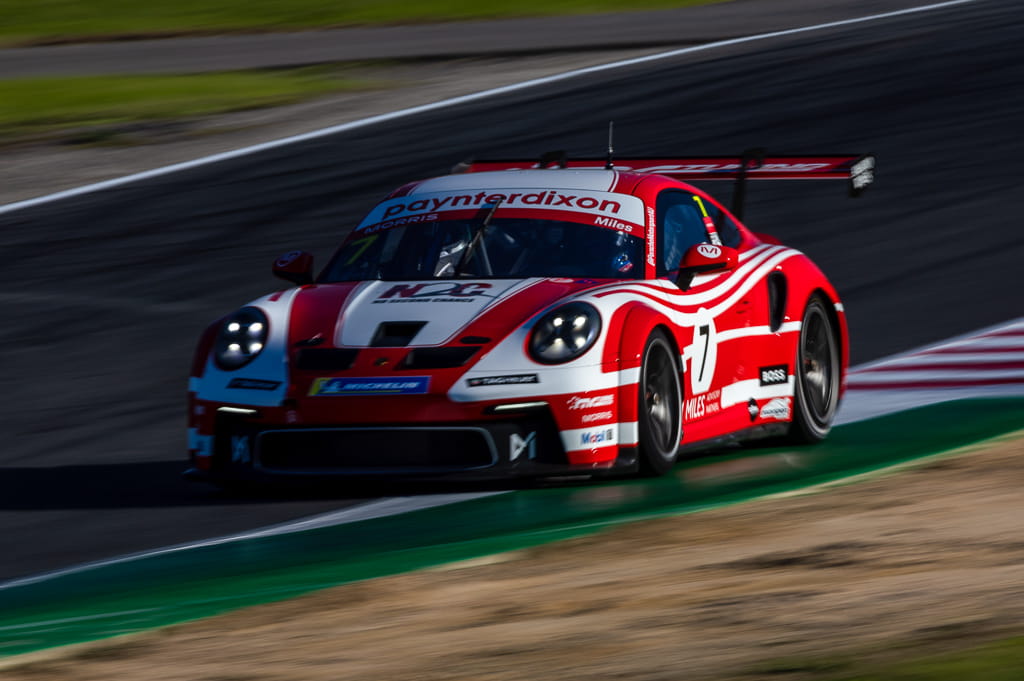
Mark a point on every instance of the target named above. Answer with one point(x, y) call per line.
point(817, 376)
point(660, 406)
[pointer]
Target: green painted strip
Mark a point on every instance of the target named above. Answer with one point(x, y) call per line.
point(175, 587)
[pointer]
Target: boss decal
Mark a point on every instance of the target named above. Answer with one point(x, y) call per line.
point(515, 379)
point(443, 292)
point(407, 385)
point(774, 375)
point(253, 384)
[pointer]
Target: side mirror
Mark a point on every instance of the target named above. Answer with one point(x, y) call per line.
point(296, 267)
point(705, 259)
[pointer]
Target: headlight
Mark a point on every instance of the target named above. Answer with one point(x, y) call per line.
point(565, 333)
point(242, 337)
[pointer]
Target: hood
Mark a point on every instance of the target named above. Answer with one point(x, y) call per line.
point(423, 313)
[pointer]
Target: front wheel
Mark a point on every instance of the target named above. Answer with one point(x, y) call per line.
point(817, 376)
point(659, 422)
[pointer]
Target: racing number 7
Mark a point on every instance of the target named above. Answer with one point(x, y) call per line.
point(703, 353)
point(705, 332)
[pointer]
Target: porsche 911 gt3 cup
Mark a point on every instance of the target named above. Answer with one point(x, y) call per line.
point(525, 320)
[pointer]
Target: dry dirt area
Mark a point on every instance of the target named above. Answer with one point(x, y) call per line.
point(908, 564)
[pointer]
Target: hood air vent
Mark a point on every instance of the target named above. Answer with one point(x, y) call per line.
point(395, 334)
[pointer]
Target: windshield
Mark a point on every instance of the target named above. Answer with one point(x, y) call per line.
point(503, 248)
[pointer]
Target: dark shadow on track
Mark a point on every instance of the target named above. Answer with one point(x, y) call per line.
point(159, 484)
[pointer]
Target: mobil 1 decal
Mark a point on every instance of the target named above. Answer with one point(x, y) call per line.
point(702, 352)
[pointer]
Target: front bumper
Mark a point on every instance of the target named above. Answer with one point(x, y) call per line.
point(247, 448)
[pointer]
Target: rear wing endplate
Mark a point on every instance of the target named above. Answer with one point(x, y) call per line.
point(858, 170)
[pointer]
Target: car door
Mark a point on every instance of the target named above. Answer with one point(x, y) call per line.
point(710, 336)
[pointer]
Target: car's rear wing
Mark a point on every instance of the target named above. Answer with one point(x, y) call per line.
point(858, 170)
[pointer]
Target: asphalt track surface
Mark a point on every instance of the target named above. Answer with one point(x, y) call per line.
point(105, 294)
point(672, 27)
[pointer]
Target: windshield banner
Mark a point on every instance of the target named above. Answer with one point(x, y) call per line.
point(616, 211)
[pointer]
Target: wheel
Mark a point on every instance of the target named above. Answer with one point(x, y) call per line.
point(817, 376)
point(658, 417)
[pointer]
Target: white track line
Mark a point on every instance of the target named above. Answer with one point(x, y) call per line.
point(455, 101)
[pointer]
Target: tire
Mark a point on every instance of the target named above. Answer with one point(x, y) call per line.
point(816, 389)
point(660, 406)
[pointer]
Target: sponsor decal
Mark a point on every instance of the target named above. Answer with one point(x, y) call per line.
point(604, 436)
point(625, 212)
point(407, 385)
point(728, 168)
point(752, 409)
point(702, 405)
point(518, 444)
point(651, 223)
point(774, 375)
point(778, 409)
point(441, 292)
point(709, 250)
point(862, 173)
point(596, 416)
point(613, 224)
point(399, 222)
point(253, 384)
point(577, 402)
point(515, 379)
point(240, 449)
point(547, 198)
point(287, 259)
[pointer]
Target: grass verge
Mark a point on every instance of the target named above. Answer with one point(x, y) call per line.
point(47, 21)
point(58, 107)
point(997, 661)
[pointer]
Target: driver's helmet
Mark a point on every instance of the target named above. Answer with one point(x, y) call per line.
point(622, 263)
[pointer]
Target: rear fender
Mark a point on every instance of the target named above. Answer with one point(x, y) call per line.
point(804, 281)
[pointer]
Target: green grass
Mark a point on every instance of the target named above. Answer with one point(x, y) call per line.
point(35, 21)
point(998, 661)
point(30, 108)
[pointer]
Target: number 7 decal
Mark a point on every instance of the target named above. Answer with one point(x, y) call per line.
point(702, 352)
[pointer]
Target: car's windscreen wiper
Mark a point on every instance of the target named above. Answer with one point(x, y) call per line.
point(477, 238)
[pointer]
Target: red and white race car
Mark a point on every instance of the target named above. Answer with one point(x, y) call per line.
point(518, 319)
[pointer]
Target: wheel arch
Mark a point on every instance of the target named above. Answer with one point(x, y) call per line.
point(637, 323)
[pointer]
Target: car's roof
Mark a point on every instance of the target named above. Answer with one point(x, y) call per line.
point(585, 179)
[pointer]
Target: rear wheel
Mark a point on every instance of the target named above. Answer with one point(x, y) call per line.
point(660, 426)
point(816, 376)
